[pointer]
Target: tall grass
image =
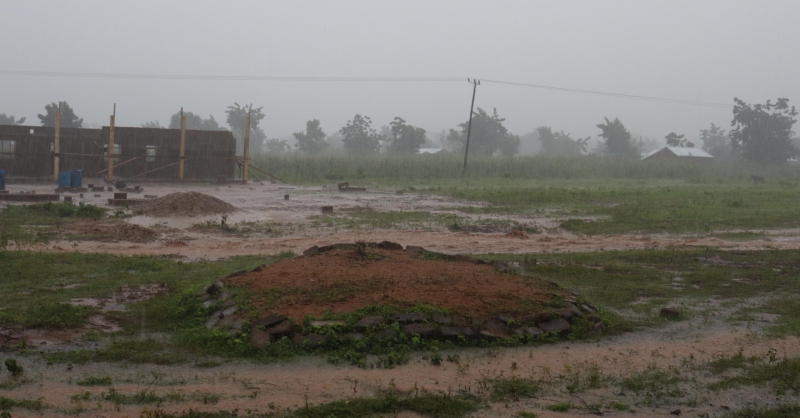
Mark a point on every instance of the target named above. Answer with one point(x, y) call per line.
point(342, 167)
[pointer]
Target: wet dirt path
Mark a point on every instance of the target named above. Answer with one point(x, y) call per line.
point(274, 387)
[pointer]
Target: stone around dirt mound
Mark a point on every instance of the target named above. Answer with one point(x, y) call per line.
point(185, 204)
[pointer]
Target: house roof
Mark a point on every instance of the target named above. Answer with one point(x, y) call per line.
point(682, 152)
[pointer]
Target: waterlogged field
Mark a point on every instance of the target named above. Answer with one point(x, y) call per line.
point(90, 333)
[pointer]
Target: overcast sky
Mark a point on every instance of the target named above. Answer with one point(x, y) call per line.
point(709, 51)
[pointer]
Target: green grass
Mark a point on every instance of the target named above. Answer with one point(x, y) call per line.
point(95, 381)
point(655, 387)
point(36, 286)
point(9, 403)
point(782, 411)
point(510, 388)
point(591, 195)
point(31, 225)
point(559, 407)
point(782, 376)
point(335, 167)
point(640, 282)
point(430, 405)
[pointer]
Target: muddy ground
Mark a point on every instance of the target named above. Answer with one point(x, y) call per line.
point(274, 387)
point(289, 225)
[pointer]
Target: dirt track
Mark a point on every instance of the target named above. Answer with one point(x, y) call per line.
point(248, 386)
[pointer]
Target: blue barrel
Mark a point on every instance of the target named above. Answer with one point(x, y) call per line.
point(64, 179)
point(2, 179)
point(76, 178)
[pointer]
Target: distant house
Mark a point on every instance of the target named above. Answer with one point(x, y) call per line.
point(429, 150)
point(681, 153)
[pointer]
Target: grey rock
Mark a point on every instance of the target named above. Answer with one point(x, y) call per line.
point(575, 310)
point(453, 332)
point(311, 251)
point(212, 321)
point(353, 336)
point(493, 324)
point(269, 320)
point(494, 328)
point(532, 331)
point(495, 333)
point(410, 317)
point(227, 322)
point(599, 328)
point(588, 309)
point(447, 319)
point(537, 317)
point(414, 249)
point(423, 330)
point(565, 313)
point(556, 325)
point(259, 338)
point(332, 323)
point(369, 321)
point(390, 245)
point(225, 295)
point(214, 288)
point(230, 311)
point(670, 313)
point(210, 302)
point(506, 318)
point(281, 328)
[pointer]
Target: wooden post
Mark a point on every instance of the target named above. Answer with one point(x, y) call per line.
point(475, 84)
point(111, 145)
point(246, 166)
point(183, 146)
point(56, 143)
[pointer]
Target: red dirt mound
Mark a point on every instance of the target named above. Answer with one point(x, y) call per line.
point(339, 281)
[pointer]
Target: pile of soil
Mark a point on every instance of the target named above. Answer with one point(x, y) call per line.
point(109, 230)
point(185, 204)
point(341, 281)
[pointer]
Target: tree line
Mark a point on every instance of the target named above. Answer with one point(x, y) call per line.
point(761, 133)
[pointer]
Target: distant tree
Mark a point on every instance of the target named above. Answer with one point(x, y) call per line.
point(312, 140)
point(153, 124)
point(617, 139)
point(403, 138)
point(195, 122)
point(675, 140)
point(237, 120)
point(68, 118)
point(762, 133)
point(716, 142)
point(276, 145)
point(487, 137)
point(556, 144)
point(9, 120)
point(359, 137)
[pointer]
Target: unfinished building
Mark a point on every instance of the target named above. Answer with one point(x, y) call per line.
point(140, 154)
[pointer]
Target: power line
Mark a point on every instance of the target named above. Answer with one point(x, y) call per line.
point(603, 93)
point(139, 76)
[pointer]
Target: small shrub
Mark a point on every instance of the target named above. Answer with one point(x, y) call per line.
point(15, 369)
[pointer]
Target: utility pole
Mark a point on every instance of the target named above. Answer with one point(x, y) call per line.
point(475, 84)
point(110, 152)
point(56, 141)
point(246, 162)
point(182, 151)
